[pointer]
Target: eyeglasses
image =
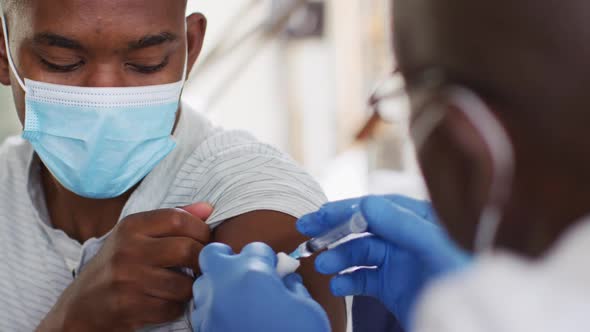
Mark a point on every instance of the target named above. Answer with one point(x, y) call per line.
point(390, 88)
point(390, 103)
point(387, 103)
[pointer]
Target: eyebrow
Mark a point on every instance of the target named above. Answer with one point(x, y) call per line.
point(152, 40)
point(52, 39)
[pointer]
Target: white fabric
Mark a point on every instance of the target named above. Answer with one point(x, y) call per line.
point(510, 294)
point(286, 264)
point(103, 97)
point(229, 169)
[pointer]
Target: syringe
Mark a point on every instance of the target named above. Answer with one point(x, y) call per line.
point(356, 225)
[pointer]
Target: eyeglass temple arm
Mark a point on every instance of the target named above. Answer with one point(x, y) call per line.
point(370, 127)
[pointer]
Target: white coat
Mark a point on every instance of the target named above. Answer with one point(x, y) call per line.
point(506, 293)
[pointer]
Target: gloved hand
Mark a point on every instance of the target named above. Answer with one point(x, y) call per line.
point(408, 248)
point(244, 293)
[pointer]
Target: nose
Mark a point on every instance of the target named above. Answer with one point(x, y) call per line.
point(104, 76)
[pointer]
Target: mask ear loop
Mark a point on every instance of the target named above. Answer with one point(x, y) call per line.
point(185, 68)
point(9, 53)
point(502, 155)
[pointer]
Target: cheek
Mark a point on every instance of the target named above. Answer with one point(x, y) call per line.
point(19, 101)
point(27, 69)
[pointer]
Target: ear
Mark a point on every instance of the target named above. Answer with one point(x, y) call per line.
point(4, 67)
point(471, 145)
point(457, 166)
point(196, 29)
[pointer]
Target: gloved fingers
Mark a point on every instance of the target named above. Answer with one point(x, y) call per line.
point(262, 251)
point(367, 251)
point(425, 210)
point(329, 215)
point(360, 282)
point(421, 208)
point(403, 228)
point(294, 283)
point(334, 213)
point(211, 254)
point(199, 313)
point(198, 289)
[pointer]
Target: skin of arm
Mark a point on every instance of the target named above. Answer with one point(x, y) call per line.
point(278, 231)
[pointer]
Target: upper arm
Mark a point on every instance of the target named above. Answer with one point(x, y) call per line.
point(247, 182)
point(278, 231)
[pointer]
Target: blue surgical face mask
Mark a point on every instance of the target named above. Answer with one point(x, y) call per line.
point(99, 142)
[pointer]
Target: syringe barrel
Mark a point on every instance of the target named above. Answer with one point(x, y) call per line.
point(355, 225)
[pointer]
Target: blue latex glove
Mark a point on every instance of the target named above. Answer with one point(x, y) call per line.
point(408, 247)
point(244, 293)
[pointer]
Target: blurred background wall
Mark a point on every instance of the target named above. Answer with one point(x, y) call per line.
point(305, 87)
point(300, 84)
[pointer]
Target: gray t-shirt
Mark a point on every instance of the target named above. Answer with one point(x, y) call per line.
point(229, 169)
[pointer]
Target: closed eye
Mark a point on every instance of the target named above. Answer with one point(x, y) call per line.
point(143, 69)
point(61, 68)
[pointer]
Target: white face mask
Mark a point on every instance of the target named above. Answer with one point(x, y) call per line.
point(99, 142)
point(499, 147)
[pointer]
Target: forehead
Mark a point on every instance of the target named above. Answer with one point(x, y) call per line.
point(80, 17)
